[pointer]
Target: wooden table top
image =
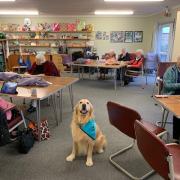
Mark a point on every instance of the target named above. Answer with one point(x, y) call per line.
point(102, 65)
point(65, 81)
point(58, 83)
point(171, 103)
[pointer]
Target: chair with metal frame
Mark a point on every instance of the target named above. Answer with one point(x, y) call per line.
point(136, 73)
point(123, 119)
point(164, 159)
point(161, 69)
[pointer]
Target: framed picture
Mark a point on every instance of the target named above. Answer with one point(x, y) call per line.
point(128, 37)
point(117, 36)
point(99, 35)
point(138, 36)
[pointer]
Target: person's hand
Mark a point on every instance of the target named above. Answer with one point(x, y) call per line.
point(128, 65)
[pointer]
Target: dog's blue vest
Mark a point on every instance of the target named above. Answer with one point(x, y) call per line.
point(89, 128)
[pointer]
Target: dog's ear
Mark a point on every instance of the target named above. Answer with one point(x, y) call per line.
point(91, 110)
point(76, 109)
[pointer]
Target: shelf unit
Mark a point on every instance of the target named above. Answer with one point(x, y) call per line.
point(3, 43)
point(69, 39)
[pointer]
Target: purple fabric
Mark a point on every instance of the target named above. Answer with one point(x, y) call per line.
point(32, 81)
point(6, 76)
point(66, 59)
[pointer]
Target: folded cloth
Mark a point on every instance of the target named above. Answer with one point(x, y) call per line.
point(32, 81)
point(7, 76)
point(80, 61)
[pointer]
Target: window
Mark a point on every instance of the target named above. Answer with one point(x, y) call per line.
point(165, 41)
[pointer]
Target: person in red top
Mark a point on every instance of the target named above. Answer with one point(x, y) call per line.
point(136, 63)
point(42, 66)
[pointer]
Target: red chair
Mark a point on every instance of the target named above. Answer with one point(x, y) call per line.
point(123, 119)
point(138, 72)
point(161, 69)
point(164, 159)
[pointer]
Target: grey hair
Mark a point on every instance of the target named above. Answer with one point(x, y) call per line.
point(141, 51)
point(40, 59)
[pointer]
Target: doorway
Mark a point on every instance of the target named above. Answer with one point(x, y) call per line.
point(165, 41)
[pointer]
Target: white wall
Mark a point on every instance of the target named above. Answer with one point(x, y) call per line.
point(104, 24)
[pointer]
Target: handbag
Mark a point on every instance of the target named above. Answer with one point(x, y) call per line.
point(44, 129)
point(9, 88)
point(25, 141)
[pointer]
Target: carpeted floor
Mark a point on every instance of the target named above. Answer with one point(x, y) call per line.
point(46, 160)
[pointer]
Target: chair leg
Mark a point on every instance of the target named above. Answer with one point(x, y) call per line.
point(118, 166)
point(23, 118)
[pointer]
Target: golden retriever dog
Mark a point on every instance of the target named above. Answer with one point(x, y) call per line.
point(82, 143)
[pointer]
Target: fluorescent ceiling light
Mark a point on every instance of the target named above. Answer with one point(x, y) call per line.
point(107, 12)
point(7, 0)
point(18, 12)
point(133, 0)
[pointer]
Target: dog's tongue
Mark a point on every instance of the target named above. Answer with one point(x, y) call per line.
point(83, 111)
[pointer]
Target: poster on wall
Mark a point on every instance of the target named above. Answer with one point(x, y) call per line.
point(138, 36)
point(99, 35)
point(128, 37)
point(102, 35)
point(117, 36)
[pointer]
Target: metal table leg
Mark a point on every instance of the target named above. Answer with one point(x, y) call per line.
point(121, 77)
point(71, 96)
point(89, 72)
point(115, 79)
point(54, 106)
point(79, 71)
point(60, 104)
point(82, 73)
point(38, 116)
point(71, 69)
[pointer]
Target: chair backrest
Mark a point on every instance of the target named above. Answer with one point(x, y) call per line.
point(153, 150)
point(162, 67)
point(123, 118)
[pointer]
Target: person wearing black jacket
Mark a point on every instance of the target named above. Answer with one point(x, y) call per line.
point(124, 56)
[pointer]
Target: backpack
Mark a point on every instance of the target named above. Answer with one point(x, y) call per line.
point(25, 141)
point(4, 132)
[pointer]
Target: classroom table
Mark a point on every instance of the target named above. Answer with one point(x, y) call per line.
point(169, 103)
point(56, 87)
point(98, 65)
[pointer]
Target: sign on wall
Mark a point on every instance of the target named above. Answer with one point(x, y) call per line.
point(120, 36)
point(117, 36)
point(102, 35)
point(138, 36)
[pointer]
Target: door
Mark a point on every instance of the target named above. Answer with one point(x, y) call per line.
point(165, 41)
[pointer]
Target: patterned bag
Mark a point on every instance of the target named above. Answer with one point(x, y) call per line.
point(44, 129)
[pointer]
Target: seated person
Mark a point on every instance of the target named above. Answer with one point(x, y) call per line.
point(42, 66)
point(110, 58)
point(171, 81)
point(124, 56)
point(136, 63)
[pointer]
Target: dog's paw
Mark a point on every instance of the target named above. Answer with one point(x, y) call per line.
point(100, 151)
point(89, 163)
point(70, 158)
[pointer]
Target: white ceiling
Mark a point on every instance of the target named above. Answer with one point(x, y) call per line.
point(86, 7)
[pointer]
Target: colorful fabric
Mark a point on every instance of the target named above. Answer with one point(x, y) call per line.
point(89, 128)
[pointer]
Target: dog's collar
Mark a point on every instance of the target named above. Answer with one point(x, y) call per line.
point(89, 128)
